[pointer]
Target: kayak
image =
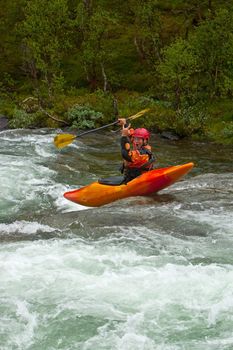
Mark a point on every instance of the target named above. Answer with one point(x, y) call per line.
point(111, 189)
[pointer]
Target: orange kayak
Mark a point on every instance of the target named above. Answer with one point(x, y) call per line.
point(97, 194)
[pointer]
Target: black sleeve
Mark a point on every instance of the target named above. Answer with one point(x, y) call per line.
point(124, 152)
point(151, 156)
point(124, 140)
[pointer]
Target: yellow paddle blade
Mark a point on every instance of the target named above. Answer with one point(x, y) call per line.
point(139, 114)
point(63, 140)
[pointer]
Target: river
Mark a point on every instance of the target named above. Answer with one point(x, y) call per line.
point(137, 274)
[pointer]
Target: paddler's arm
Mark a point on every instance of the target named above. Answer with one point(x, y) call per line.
point(125, 143)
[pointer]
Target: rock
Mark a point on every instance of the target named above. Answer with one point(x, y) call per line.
point(170, 136)
point(3, 122)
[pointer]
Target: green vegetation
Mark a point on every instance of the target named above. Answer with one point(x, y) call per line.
point(82, 63)
point(82, 117)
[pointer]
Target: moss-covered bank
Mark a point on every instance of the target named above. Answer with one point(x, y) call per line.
point(83, 110)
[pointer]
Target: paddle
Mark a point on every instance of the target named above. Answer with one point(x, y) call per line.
point(63, 140)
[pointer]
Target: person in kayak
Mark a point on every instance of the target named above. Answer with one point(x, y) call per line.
point(135, 150)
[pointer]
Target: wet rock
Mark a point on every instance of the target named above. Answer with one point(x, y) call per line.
point(3, 122)
point(170, 136)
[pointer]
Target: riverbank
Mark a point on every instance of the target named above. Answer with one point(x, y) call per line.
point(212, 122)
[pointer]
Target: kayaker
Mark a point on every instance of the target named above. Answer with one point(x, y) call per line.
point(135, 150)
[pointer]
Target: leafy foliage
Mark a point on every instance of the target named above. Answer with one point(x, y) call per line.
point(45, 31)
point(227, 131)
point(22, 119)
point(83, 117)
point(119, 56)
point(213, 45)
point(177, 69)
point(190, 120)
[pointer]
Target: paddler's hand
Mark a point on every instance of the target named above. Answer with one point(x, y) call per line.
point(122, 121)
point(125, 130)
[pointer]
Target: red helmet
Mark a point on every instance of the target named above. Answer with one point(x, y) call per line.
point(142, 133)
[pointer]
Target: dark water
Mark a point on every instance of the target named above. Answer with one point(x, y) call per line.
point(140, 273)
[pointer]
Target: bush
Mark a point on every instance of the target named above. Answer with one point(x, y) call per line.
point(83, 117)
point(97, 101)
point(22, 119)
point(227, 131)
point(190, 120)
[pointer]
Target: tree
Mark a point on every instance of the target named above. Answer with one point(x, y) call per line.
point(10, 60)
point(97, 26)
point(213, 45)
point(147, 28)
point(45, 29)
point(177, 69)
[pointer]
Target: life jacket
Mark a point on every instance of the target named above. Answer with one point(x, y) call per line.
point(141, 159)
point(136, 160)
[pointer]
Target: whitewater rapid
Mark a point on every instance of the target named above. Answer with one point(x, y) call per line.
point(141, 273)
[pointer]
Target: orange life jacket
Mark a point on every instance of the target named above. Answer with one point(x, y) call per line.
point(137, 159)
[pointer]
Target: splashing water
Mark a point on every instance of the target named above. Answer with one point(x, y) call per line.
point(141, 273)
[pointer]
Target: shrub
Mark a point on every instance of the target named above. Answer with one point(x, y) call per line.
point(190, 120)
point(227, 131)
point(83, 117)
point(22, 119)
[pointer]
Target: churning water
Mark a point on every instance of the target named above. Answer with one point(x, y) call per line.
point(141, 273)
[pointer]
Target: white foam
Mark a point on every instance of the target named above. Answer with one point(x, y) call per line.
point(219, 218)
point(28, 322)
point(131, 287)
point(219, 310)
point(27, 182)
point(64, 205)
point(104, 281)
point(45, 151)
point(25, 227)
